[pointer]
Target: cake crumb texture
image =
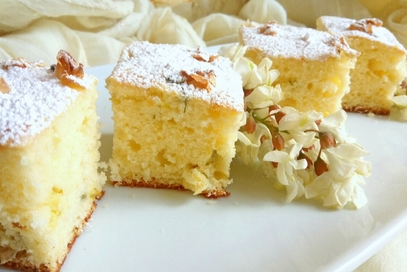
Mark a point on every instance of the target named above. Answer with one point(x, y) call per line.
point(313, 65)
point(176, 113)
point(49, 178)
point(380, 68)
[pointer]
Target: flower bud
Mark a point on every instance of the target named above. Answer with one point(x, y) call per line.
point(326, 140)
point(278, 116)
point(278, 141)
point(320, 166)
point(250, 124)
point(306, 149)
point(274, 107)
point(247, 92)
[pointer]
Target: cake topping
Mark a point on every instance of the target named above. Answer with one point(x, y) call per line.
point(200, 79)
point(31, 97)
point(181, 69)
point(22, 63)
point(67, 70)
point(370, 28)
point(366, 25)
point(293, 42)
point(266, 29)
point(206, 58)
point(4, 88)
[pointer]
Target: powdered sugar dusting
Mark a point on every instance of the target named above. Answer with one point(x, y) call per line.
point(293, 42)
point(378, 33)
point(165, 66)
point(35, 98)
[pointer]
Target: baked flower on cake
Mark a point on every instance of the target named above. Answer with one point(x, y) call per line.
point(176, 113)
point(49, 179)
point(380, 68)
point(313, 65)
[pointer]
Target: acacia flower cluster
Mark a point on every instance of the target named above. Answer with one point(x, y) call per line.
point(304, 152)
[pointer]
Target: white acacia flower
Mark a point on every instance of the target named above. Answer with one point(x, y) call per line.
point(287, 162)
point(341, 184)
point(249, 144)
point(233, 51)
point(295, 120)
point(265, 148)
point(335, 123)
point(264, 96)
point(301, 126)
point(303, 138)
point(346, 159)
point(401, 103)
point(259, 74)
point(252, 75)
point(337, 191)
point(242, 65)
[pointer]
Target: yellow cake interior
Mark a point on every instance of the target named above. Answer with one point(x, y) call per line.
point(166, 141)
point(379, 70)
point(311, 84)
point(48, 188)
point(310, 80)
point(377, 75)
point(176, 113)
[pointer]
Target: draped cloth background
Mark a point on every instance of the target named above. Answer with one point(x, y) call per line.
point(95, 32)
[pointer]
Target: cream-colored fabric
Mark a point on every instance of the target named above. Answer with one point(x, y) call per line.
point(395, 18)
point(95, 32)
point(307, 12)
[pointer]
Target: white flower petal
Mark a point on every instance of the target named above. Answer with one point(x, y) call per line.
point(400, 101)
point(359, 198)
point(276, 156)
point(281, 174)
point(348, 151)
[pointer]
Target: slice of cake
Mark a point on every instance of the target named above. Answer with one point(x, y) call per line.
point(314, 65)
point(380, 68)
point(49, 179)
point(176, 113)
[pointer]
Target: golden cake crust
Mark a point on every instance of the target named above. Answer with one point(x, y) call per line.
point(364, 109)
point(156, 184)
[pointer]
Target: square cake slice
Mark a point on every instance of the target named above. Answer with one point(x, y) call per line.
point(380, 68)
point(49, 179)
point(176, 113)
point(314, 65)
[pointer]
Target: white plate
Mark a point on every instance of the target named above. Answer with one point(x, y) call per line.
point(140, 229)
